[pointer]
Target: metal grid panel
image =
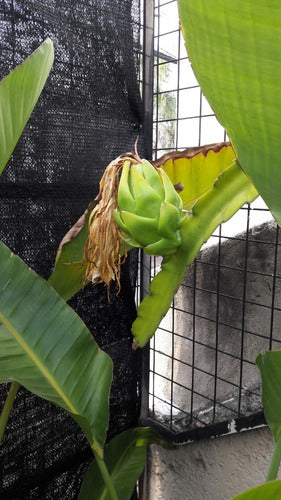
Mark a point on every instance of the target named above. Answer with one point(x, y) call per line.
point(200, 375)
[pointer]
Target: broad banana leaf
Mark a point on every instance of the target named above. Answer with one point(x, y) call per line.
point(234, 48)
point(267, 491)
point(125, 458)
point(46, 347)
point(19, 92)
point(216, 205)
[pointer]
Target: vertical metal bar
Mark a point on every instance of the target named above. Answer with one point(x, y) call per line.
point(193, 344)
point(217, 326)
point(148, 76)
point(145, 271)
point(200, 118)
point(145, 267)
point(243, 311)
point(152, 358)
point(157, 86)
point(173, 310)
point(172, 367)
point(178, 90)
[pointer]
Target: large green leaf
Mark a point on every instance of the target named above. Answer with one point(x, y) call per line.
point(268, 491)
point(234, 48)
point(125, 458)
point(19, 92)
point(269, 364)
point(46, 347)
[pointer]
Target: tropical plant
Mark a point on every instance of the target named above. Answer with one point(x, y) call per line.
point(137, 206)
point(227, 42)
point(44, 344)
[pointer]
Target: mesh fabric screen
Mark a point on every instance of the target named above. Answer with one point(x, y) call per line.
point(88, 113)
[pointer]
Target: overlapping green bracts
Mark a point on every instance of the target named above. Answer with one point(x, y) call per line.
point(234, 49)
point(229, 193)
point(150, 210)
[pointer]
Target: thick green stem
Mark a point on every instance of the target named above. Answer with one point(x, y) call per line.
point(106, 477)
point(275, 461)
point(8, 407)
point(228, 194)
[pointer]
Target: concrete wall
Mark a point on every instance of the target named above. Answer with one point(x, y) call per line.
point(215, 469)
point(254, 316)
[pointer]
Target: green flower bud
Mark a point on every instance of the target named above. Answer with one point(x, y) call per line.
point(149, 209)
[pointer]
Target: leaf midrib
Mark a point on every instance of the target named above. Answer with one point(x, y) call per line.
point(38, 363)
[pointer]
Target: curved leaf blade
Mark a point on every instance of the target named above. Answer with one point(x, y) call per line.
point(125, 458)
point(234, 50)
point(197, 169)
point(46, 347)
point(68, 276)
point(19, 92)
point(268, 491)
point(269, 364)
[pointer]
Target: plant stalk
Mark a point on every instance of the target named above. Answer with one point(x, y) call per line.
point(8, 405)
point(228, 194)
point(106, 477)
point(275, 461)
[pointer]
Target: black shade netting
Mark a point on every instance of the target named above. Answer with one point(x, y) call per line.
point(88, 113)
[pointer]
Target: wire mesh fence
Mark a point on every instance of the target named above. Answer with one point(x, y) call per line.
point(200, 377)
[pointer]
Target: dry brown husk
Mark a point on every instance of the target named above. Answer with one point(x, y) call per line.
point(104, 251)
